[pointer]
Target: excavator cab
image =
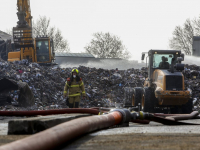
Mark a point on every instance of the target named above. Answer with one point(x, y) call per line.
point(44, 50)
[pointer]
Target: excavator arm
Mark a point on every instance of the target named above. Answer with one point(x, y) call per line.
point(24, 6)
point(22, 34)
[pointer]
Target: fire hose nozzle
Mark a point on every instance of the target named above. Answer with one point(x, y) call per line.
point(140, 115)
point(126, 117)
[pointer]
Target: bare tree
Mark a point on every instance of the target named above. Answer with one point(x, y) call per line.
point(42, 28)
point(105, 45)
point(183, 37)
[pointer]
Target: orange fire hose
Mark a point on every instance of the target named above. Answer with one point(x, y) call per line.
point(177, 117)
point(55, 136)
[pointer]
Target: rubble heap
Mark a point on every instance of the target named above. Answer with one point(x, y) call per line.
point(103, 87)
point(192, 82)
point(106, 87)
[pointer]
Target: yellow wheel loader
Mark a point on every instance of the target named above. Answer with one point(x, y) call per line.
point(164, 85)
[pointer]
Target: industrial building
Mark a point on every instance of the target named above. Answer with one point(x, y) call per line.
point(196, 46)
point(5, 44)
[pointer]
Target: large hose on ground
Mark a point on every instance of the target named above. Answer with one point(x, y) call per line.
point(177, 117)
point(101, 108)
point(55, 136)
point(49, 112)
point(185, 117)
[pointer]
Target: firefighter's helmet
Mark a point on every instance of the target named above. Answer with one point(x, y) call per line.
point(75, 70)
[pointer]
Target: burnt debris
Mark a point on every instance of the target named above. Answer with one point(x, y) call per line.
point(104, 87)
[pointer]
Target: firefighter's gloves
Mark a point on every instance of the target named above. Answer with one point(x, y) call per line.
point(65, 96)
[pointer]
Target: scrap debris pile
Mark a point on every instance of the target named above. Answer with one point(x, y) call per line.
point(192, 82)
point(103, 87)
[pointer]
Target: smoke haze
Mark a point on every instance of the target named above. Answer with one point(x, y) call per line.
point(106, 64)
point(113, 63)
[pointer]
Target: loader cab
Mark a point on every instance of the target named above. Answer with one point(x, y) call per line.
point(160, 59)
point(43, 50)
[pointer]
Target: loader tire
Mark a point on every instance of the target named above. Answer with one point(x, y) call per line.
point(175, 110)
point(187, 108)
point(128, 97)
point(137, 96)
point(147, 102)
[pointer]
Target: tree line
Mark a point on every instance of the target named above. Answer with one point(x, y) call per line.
point(182, 36)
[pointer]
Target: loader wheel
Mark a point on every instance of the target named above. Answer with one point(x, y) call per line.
point(137, 96)
point(187, 108)
point(128, 94)
point(175, 110)
point(147, 102)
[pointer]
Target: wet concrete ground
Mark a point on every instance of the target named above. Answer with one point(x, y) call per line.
point(4, 124)
point(137, 136)
point(126, 142)
point(137, 141)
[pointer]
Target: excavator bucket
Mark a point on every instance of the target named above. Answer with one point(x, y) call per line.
point(26, 97)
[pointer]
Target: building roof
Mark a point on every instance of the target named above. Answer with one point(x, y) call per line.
point(74, 55)
point(4, 36)
point(196, 38)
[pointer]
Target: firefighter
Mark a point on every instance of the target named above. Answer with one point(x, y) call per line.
point(73, 89)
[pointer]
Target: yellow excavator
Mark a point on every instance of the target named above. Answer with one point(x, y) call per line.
point(39, 49)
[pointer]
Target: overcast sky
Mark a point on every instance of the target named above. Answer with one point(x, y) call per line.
point(141, 24)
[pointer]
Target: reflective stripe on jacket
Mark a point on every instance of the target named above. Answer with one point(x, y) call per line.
point(75, 89)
